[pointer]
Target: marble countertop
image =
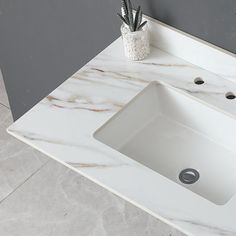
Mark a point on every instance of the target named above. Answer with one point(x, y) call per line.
point(62, 126)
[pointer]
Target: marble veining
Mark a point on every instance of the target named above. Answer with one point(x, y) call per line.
point(62, 126)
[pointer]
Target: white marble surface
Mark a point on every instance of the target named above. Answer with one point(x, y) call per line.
point(41, 197)
point(195, 50)
point(62, 126)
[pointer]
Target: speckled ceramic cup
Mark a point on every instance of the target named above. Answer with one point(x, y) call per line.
point(136, 44)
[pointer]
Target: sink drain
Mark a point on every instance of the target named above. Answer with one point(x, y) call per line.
point(189, 176)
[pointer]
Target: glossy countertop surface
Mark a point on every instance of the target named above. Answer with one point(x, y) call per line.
point(62, 126)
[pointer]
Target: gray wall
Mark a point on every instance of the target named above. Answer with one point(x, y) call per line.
point(44, 42)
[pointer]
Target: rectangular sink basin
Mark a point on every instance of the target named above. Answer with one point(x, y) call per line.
point(179, 137)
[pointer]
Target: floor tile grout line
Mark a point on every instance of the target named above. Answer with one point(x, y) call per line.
point(1, 104)
point(21, 184)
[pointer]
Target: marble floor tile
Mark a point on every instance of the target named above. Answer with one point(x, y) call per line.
point(3, 94)
point(56, 201)
point(17, 160)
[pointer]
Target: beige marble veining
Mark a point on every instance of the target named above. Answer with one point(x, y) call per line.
point(17, 183)
point(62, 126)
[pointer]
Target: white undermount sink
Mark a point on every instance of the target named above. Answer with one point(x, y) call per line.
point(179, 137)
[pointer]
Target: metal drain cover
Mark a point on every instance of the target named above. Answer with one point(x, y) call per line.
point(189, 176)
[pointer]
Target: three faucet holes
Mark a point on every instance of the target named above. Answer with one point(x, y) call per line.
point(228, 95)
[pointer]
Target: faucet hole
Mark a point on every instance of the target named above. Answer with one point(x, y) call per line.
point(199, 81)
point(230, 95)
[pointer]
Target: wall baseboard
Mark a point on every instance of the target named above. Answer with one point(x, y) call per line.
point(192, 49)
